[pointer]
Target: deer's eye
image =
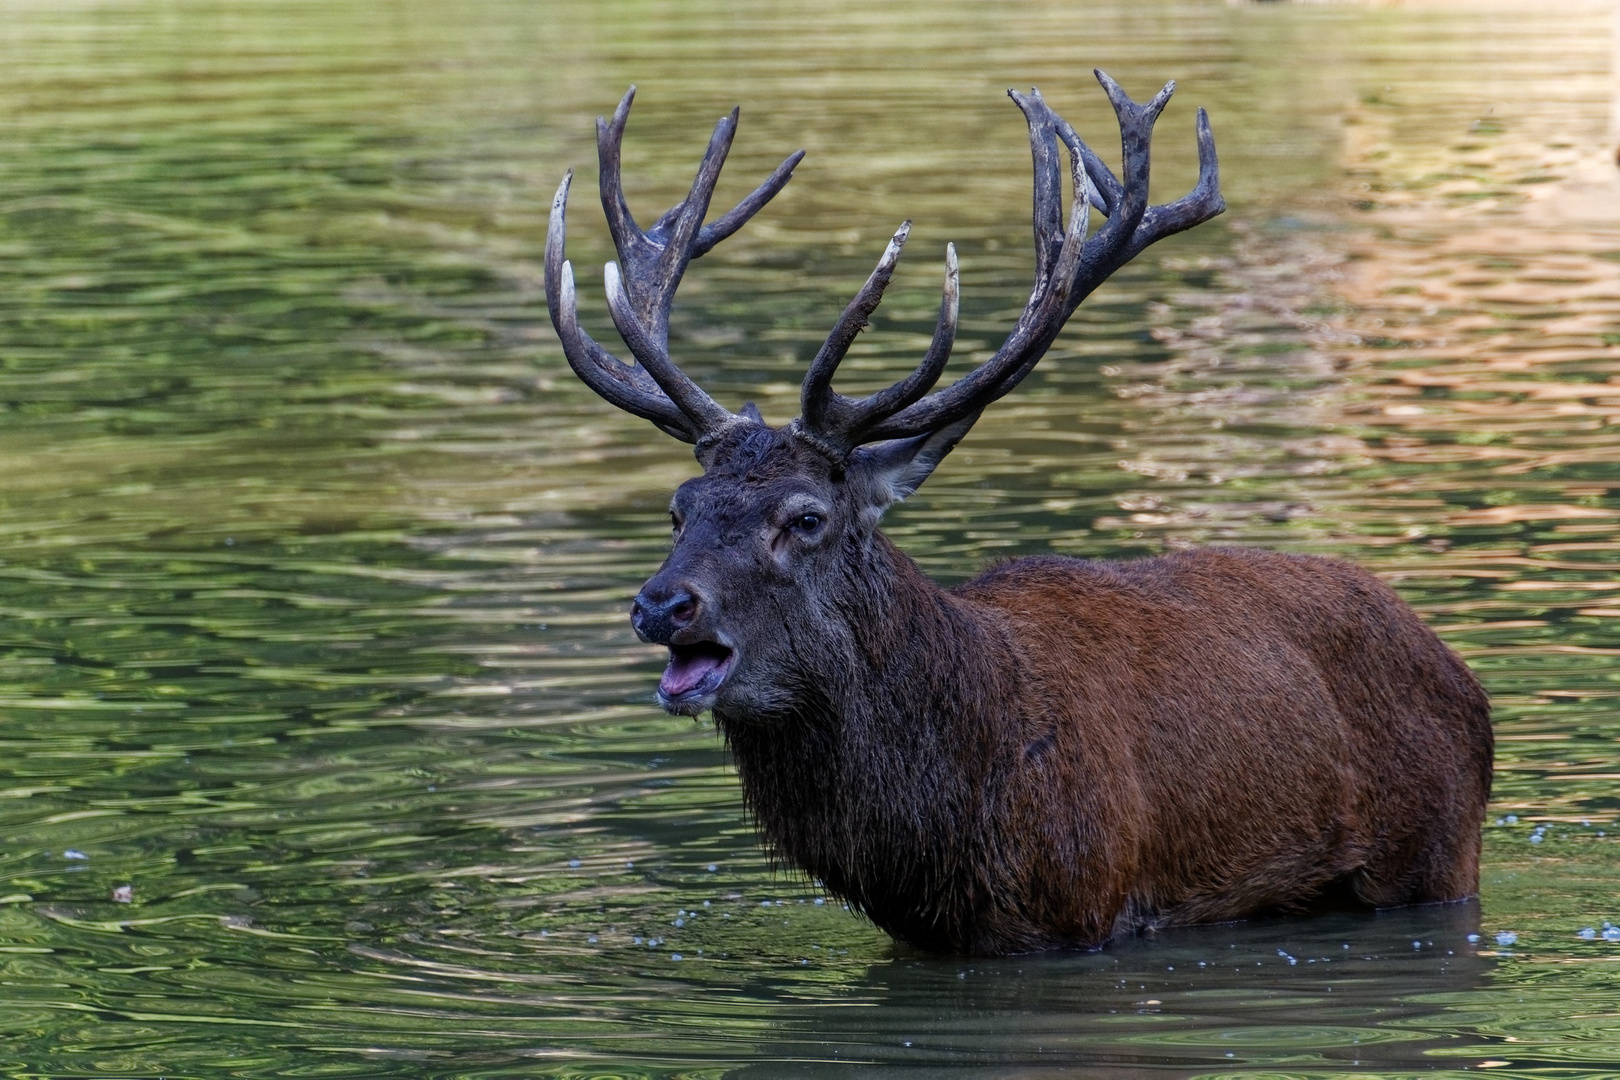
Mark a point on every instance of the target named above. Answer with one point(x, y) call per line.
point(807, 523)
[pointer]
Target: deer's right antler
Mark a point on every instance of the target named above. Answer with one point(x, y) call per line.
point(642, 284)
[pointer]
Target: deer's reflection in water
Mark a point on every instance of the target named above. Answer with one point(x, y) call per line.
point(1343, 990)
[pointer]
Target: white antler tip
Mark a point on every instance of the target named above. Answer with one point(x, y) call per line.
point(613, 280)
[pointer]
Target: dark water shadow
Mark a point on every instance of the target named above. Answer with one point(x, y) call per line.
point(1367, 991)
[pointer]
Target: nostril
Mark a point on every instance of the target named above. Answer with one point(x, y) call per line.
point(655, 615)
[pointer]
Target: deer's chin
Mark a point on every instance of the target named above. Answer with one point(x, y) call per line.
point(694, 676)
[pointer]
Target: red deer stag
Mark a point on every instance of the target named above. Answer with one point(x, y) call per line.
point(1060, 750)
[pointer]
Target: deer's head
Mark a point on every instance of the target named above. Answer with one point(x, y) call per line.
point(772, 542)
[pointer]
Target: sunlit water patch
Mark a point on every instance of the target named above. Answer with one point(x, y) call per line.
point(327, 748)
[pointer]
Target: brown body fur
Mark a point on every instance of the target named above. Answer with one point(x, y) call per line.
point(1059, 750)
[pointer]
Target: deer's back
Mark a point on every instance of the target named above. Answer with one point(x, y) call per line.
point(1255, 727)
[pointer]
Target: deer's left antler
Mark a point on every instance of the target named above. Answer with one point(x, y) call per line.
point(1068, 266)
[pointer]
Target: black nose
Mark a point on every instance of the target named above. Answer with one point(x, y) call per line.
point(657, 617)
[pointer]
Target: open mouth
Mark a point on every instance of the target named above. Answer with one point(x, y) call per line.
point(695, 671)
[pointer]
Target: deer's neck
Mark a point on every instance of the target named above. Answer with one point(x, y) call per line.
point(892, 753)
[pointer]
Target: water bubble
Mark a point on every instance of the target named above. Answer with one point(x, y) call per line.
point(1586, 933)
point(1535, 838)
point(820, 901)
point(1417, 944)
point(1513, 819)
point(705, 903)
point(573, 864)
point(1612, 934)
point(1506, 937)
point(593, 939)
point(70, 853)
point(680, 923)
point(764, 903)
point(675, 956)
point(712, 868)
point(1472, 939)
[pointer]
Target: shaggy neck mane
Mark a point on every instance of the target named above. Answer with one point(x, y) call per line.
point(889, 755)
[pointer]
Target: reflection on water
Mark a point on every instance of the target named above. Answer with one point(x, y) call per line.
point(314, 557)
point(1311, 994)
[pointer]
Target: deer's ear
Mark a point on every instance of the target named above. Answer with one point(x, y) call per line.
point(895, 469)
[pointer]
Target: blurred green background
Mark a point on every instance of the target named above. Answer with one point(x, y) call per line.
point(314, 556)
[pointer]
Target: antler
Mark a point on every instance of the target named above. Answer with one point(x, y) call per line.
point(642, 284)
point(1068, 267)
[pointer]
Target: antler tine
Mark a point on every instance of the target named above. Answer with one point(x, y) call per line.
point(818, 402)
point(654, 261)
point(1067, 275)
point(1048, 214)
point(886, 402)
point(625, 385)
point(709, 414)
point(1125, 212)
point(677, 231)
point(735, 218)
point(1194, 208)
point(628, 240)
point(841, 422)
point(1105, 189)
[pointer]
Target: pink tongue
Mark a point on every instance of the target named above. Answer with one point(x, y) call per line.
point(685, 672)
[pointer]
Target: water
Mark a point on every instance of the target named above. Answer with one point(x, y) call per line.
point(314, 557)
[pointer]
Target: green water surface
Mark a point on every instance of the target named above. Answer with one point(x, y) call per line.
point(315, 558)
